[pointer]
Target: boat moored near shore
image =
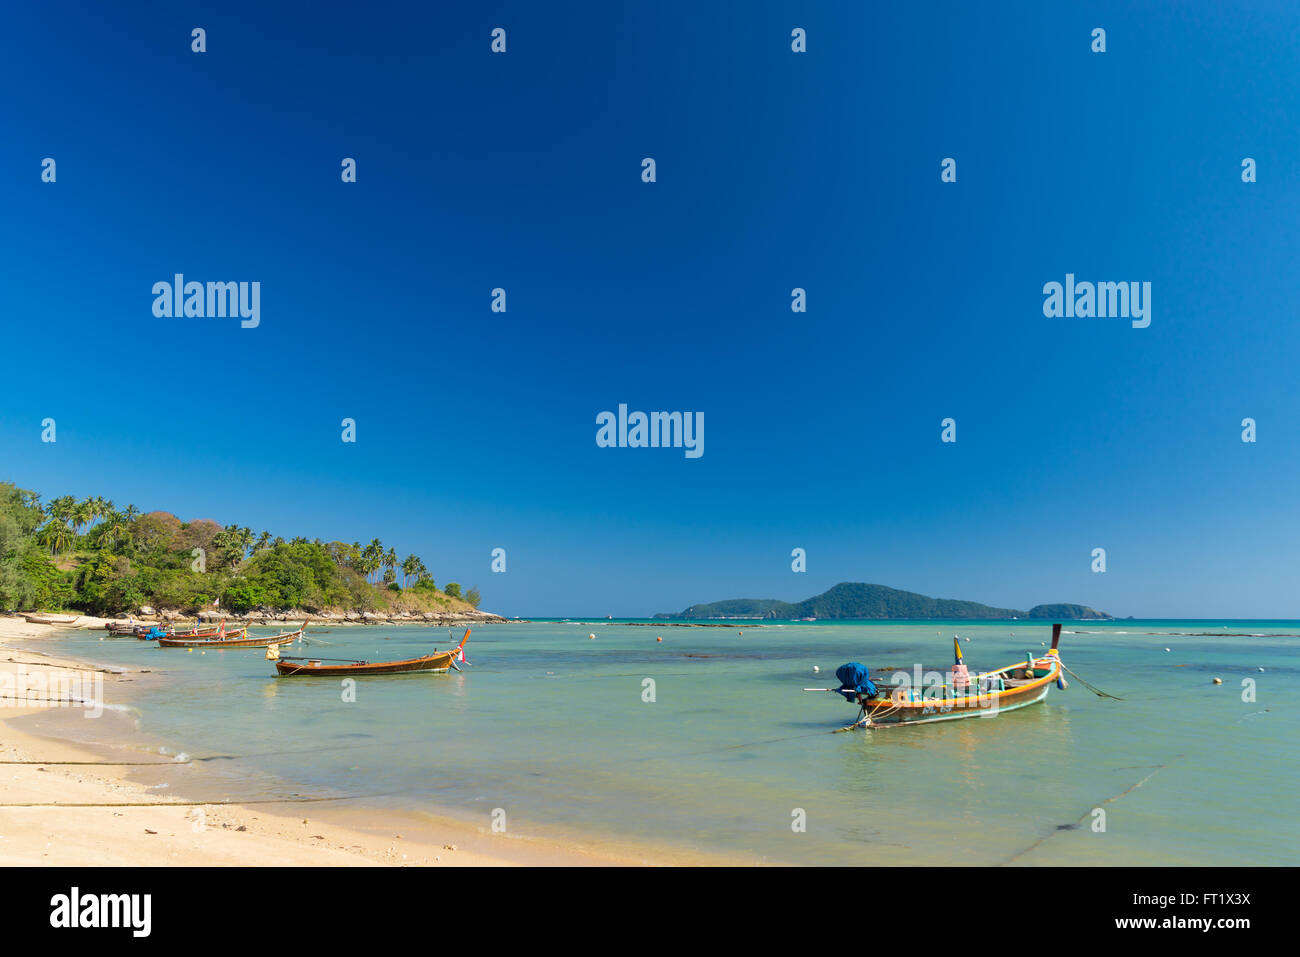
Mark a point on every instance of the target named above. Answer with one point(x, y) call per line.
point(961, 695)
point(235, 639)
point(435, 662)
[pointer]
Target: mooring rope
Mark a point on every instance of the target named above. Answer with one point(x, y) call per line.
point(1093, 688)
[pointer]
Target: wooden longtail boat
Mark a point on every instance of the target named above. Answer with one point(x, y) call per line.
point(206, 631)
point(225, 639)
point(437, 661)
point(52, 619)
point(984, 695)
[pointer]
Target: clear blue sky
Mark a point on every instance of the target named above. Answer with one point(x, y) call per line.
point(775, 170)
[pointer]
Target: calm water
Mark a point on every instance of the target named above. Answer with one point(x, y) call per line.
point(551, 727)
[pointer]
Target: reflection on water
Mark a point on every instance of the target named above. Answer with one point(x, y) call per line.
point(556, 729)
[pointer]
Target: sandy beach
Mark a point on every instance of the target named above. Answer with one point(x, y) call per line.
point(66, 804)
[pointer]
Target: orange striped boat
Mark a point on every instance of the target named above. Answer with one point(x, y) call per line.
point(225, 639)
point(984, 695)
point(436, 662)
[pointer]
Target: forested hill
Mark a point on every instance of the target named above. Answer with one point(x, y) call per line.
point(91, 556)
point(861, 600)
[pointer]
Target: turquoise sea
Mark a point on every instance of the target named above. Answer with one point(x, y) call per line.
point(554, 729)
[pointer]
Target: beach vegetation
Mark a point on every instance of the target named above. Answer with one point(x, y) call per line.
point(88, 555)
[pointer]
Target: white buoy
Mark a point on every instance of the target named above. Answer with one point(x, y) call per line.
point(1166, 649)
point(592, 636)
point(1218, 681)
point(817, 670)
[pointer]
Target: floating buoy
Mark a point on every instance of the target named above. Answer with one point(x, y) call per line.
point(1261, 669)
point(816, 669)
point(1218, 681)
point(1166, 649)
point(660, 638)
point(592, 636)
point(189, 650)
point(740, 632)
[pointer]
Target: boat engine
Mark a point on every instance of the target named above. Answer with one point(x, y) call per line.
point(855, 680)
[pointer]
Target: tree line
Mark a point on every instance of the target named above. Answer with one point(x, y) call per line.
point(89, 555)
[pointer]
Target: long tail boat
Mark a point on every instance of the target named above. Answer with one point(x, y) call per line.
point(984, 695)
point(436, 662)
point(52, 619)
point(225, 639)
point(196, 631)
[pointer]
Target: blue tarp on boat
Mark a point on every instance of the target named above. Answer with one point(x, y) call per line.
point(854, 680)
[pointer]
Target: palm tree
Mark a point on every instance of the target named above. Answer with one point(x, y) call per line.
point(113, 528)
point(61, 508)
point(374, 557)
point(100, 508)
point(263, 541)
point(410, 565)
point(56, 535)
point(390, 561)
point(82, 514)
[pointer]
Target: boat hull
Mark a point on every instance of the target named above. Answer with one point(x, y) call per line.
point(428, 663)
point(242, 641)
point(893, 710)
point(51, 619)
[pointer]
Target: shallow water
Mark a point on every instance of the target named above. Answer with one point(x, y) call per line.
point(552, 729)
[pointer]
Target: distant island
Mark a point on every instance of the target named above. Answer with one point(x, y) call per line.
point(860, 600)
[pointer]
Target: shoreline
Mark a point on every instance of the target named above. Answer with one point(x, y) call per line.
point(73, 803)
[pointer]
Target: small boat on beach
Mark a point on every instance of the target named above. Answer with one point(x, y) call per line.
point(52, 619)
point(436, 662)
point(961, 695)
point(225, 639)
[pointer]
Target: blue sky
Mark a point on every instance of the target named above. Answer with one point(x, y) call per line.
point(820, 170)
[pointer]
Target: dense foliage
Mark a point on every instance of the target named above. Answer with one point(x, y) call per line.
point(92, 557)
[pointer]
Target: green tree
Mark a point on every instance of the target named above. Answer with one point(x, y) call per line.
point(410, 565)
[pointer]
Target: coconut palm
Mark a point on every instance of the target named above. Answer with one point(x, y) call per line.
point(61, 509)
point(113, 529)
point(83, 513)
point(374, 557)
point(55, 535)
point(410, 564)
